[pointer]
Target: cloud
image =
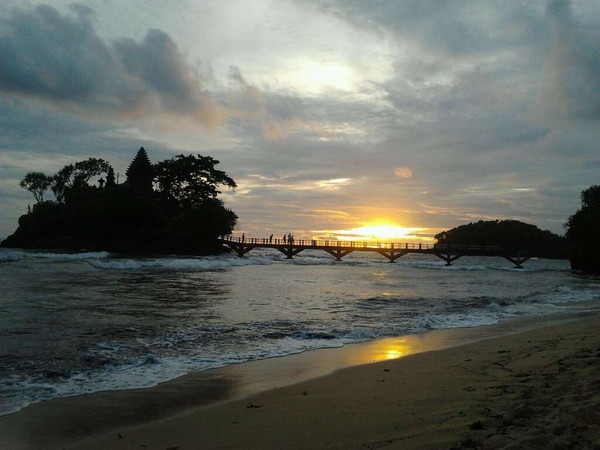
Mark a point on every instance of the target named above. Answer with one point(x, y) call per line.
point(571, 78)
point(275, 114)
point(61, 60)
point(457, 29)
point(403, 172)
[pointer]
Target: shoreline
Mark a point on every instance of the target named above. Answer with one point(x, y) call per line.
point(63, 421)
point(313, 365)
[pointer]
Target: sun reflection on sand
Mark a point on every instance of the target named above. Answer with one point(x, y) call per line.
point(393, 354)
point(388, 349)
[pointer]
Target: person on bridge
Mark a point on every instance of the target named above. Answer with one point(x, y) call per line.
point(271, 239)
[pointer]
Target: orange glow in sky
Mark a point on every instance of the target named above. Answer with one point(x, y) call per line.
point(380, 232)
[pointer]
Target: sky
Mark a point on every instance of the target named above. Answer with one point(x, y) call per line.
point(330, 115)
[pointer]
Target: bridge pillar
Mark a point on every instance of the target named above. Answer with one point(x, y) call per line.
point(338, 253)
point(290, 251)
point(392, 255)
point(518, 260)
point(448, 257)
point(239, 247)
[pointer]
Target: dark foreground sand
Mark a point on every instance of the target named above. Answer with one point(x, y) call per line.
point(534, 389)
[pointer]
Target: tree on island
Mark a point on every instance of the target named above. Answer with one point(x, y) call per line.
point(77, 176)
point(511, 235)
point(583, 232)
point(190, 181)
point(170, 207)
point(37, 183)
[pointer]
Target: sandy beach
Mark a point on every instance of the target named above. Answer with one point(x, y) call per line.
point(537, 388)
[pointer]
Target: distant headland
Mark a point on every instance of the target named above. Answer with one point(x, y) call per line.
point(511, 235)
point(171, 207)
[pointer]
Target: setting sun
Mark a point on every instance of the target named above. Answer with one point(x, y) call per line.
point(380, 232)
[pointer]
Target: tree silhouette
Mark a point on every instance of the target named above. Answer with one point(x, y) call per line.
point(511, 235)
point(583, 232)
point(189, 181)
point(77, 176)
point(37, 183)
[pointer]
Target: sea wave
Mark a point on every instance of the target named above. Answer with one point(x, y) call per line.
point(68, 256)
point(567, 294)
point(196, 263)
point(9, 255)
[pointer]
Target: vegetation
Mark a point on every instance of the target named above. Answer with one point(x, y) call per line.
point(170, 207)
point(583, 232)
point(511, 235)
point(76, 177)
point(37, 183)
point(189, 182)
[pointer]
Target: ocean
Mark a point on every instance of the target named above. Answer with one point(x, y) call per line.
point(86, 322)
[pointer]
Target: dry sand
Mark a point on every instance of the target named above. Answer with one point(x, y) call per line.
point(535, 389)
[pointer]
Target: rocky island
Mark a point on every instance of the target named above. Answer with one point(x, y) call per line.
point(511, 235)
point(170, 207)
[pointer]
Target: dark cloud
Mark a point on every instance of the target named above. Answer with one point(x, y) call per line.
point(61, 59)
point(555, 48)
point(453, 28)
point(158, 67)
point(53, 136)
point(571, 85)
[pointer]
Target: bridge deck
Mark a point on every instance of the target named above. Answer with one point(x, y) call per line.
point(391, 250)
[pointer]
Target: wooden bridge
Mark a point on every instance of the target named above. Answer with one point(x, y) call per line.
point(391, 251)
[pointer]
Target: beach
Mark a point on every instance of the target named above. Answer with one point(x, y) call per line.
point(535, 385)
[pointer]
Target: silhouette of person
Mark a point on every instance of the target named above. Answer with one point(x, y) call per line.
point(243, 237)
point(270, 239)
point(284, 239)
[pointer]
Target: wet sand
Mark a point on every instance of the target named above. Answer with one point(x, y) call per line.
point(532, 383)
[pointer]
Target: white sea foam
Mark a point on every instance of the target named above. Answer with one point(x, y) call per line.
point(71, 256)
point(567, 294)
point(9, 255)
point(464, 267)
point(199, 263)
point(446, 321)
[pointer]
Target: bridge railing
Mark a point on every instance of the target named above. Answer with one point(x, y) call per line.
point(333, 243)
point(330, 243)
point(467, 247)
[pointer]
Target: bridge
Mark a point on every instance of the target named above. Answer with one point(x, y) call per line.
point(392, 251)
